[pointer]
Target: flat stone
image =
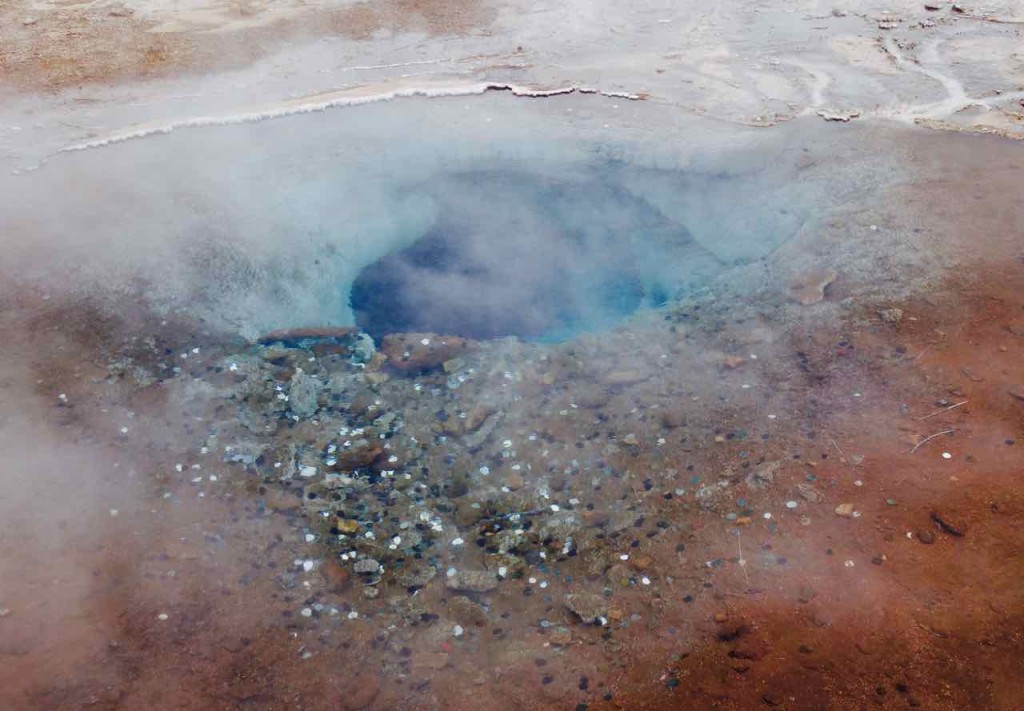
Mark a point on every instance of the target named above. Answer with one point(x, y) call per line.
point(844, 510)
point(419, 352)
point(810, 288)
point(293, 335)
point(472, 581)
point(366, 565)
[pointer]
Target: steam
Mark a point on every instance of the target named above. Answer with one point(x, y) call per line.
point(255, 226)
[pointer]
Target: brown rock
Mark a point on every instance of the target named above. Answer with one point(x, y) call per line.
point(589, 607)
point(925, 536)
point(466, 612)
point(362, 454)
point(844, 510)
point(642, 562)
point(1017, 391)
point(412, 353)
point(336, 578)
point(561, 637)
point(290, 335)
point(733, 362)
point(514, 482)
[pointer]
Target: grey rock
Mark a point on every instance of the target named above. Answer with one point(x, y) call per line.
point(589, 607)
point(302, 395)
point(472, 581)
point(475, 440)
point(366, 565)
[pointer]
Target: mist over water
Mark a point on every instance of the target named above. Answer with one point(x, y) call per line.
point(269, 225)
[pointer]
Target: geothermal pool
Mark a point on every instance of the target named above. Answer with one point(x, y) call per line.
point(495, 401)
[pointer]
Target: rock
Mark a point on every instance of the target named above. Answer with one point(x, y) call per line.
point(515, 482)
point(560, 637)
point(763, 476)
point(619, 575)
point(412, 353)
point(893, 315)
point(733, 362)
point(844, 510)
point(474, 440)
point(808, 492)
point(361, 454)
point(972, 374)
point(466, 612)
point(476, 581)
point(641, 562)
point(429, 662)
point(366, 566)
point(348, 526)
point(415, 576)
point(953, 528)
point(834, 115)
point(589, 607)
point(302, 394)
point(297, 336)
point(362, 348)
point(810, 288)
point(336, 578)
point(1017, 391)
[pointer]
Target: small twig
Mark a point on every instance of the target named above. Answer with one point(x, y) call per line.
point(742, 561)
point(929, 630)
point(945, 409)
point(923, 351)
point(929, 438)
point(842, 454)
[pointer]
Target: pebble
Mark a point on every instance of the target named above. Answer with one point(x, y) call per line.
point(925, 536)
point(366, 565)
point(844, 510)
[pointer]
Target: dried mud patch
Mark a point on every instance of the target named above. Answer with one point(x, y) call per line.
point(66, 46)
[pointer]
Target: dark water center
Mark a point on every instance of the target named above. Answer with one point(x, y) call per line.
point(515, 254)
